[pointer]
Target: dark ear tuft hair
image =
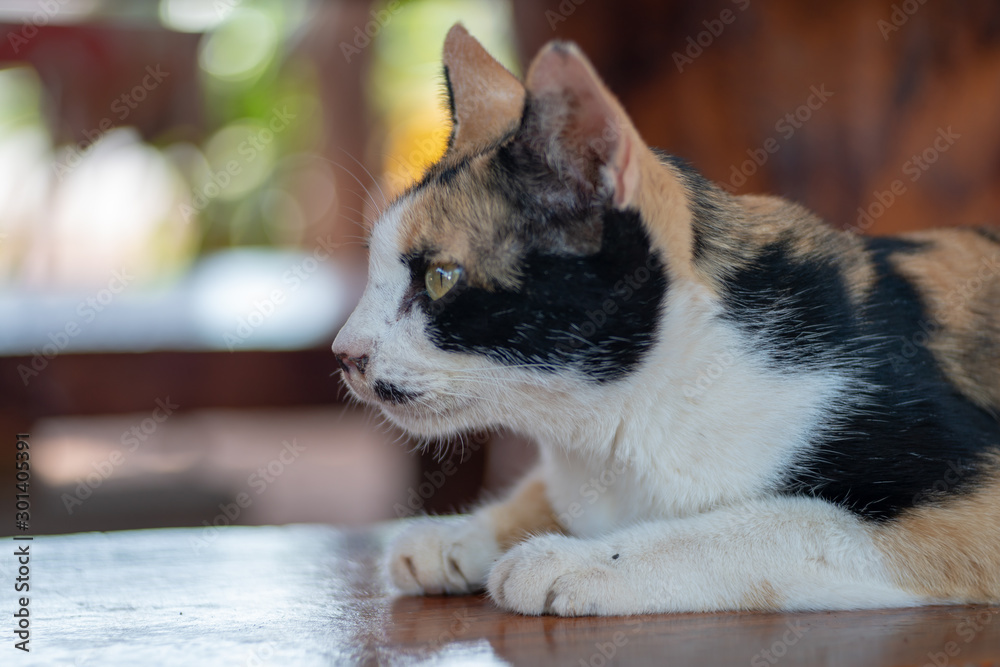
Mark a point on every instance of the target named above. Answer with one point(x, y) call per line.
point(449, 96)
point(485, 99)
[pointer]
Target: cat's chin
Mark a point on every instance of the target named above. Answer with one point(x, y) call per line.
point(424, 423)
point(446, 419)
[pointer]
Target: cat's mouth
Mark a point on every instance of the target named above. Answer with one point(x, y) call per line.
point(420, 413)
point(394, 398)
point(416, 410)
point(382, 392)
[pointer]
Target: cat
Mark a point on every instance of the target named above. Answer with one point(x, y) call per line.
point(737, 406)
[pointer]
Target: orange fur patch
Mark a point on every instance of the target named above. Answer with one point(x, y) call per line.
point(949, 552)
point(526, 512)
point(959, 279)
point(664, 208)
point(761, 597)
point(458, 223)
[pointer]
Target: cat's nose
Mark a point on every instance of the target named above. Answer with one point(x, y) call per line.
point(349, 363)
point(352, 350)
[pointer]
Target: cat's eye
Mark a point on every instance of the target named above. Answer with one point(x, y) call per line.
point(441, 278)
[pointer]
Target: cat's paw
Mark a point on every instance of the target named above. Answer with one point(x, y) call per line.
point(435, 556)
point(563, 576)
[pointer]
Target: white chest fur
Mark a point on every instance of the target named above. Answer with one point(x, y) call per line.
point(705, 424)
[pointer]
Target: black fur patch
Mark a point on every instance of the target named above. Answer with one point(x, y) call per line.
point(798, 309)
point(443, 174)
point(990, 233)
point(597, 314)
point(390, 393)
point(912, 440)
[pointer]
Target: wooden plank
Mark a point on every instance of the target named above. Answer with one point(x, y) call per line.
point(314, 595)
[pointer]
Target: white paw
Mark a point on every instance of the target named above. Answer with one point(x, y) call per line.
point(565, 576)
point(435, 556)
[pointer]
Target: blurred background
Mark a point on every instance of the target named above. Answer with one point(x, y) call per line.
point(183, 187)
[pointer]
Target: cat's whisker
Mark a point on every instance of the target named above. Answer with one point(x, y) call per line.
point(510, 382)
point(472, 397)
point(367, 224)
point(355, 241)
point(357, 223)
point(496, 368)
point(406, 168)
point(357, 180)
point(385, 200)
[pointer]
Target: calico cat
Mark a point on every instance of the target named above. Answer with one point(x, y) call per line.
point(736, 405)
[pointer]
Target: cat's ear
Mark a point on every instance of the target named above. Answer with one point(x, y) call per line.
point(578, 127)
point(486, 100)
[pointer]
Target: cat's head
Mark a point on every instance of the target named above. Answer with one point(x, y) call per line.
point(523, 279)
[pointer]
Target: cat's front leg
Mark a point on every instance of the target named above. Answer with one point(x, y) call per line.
point(454, 554)
point(782, 553)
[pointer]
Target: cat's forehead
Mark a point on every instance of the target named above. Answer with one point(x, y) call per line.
point(448, 209)
point(459, 213)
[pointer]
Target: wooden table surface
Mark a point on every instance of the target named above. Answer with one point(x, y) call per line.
point(313, 595)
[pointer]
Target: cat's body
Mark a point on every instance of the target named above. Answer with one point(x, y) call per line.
point(737, 406)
